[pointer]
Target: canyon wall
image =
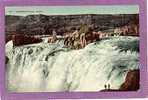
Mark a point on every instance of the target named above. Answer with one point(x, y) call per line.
point(43, 24)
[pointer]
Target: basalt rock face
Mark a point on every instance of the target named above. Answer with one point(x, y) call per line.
point(63, 24)
point(23, 40)
point(131, 82)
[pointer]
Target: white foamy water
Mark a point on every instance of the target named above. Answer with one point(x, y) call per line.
point(47, 67)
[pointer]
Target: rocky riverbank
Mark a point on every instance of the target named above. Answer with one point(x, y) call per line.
point(131, 82)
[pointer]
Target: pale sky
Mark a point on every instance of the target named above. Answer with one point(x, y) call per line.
point(70, 10)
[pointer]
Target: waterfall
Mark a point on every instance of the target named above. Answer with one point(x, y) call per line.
point(53, 67)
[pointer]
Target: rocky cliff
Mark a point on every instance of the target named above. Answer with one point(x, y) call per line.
point(43, 24)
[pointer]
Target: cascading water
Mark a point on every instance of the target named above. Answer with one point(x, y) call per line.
point(53, 67)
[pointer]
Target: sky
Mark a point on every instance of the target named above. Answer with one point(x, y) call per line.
point(70, 10)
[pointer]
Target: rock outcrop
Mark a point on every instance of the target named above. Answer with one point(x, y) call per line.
point(80, 38)
point(128, 30)
point(132, 82)
point(54, 38)
point(24, 39)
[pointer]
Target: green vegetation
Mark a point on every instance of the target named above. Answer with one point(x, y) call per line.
point(83, 29)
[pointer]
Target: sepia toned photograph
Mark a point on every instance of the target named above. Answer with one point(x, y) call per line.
point(72, 48)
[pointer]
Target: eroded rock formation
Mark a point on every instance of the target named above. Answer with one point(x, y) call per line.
point(80, 38)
